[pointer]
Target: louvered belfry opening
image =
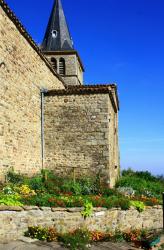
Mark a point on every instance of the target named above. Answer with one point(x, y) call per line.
point(54, 63)
point(62, 66)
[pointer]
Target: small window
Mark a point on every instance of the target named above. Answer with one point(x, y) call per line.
point(62, 66)
point(54, 63)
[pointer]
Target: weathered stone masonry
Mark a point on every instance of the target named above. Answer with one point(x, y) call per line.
point(23, 72)
point(81, 122)
point(80, 133)
point(15, 221)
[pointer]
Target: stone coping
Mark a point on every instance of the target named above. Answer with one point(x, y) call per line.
point(60, 209)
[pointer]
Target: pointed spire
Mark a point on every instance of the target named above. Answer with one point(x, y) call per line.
point(57, 36)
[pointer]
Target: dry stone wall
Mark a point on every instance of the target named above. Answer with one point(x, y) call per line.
point(22, 74)
point(15, 220)
point(78, 139)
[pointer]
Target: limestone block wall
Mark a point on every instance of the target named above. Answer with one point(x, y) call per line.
point(78, 137)
point(74, 73)
point(15, 220)
point(22, 74)
point(114, 147)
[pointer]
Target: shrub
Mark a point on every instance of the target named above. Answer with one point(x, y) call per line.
point(10, 200)
point(135, 234)
point(88, 209)
point(77, 240)
point(128, 191)
point(140, 174)
point(36, 183)
point(108, 192)
point(118, 236)
point(39, 233)
point(37, 200)
point(8, 190)
point(14, 177)
point(70, 186)
point(97, 236)
point(139, 205)
point(124, 204)
point(25, 190)
point(142, 182)
point(88, 186)
point(52, 234)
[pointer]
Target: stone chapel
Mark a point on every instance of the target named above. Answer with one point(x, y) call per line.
point(48, 117)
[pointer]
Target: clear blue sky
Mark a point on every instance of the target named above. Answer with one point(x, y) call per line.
point(119, 41)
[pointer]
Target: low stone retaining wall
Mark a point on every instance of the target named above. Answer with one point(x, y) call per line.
point(14, 221)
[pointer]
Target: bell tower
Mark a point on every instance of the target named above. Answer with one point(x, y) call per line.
point(58, 47)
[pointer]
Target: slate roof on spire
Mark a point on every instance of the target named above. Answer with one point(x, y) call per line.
point(57, 36)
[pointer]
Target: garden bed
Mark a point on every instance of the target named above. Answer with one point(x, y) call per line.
point(48, 190)
point(49, 201)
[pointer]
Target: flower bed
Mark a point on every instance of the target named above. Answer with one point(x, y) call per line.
point(48, 190)
point(81, 238)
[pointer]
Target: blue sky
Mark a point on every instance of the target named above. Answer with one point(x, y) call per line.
point(119, 41)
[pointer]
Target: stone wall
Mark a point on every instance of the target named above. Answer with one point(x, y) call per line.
point(79, 136)
point(15, 221)
point(74, 72)
point(23, 72)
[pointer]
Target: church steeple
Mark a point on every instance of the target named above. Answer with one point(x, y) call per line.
point(57, 46)
point(57, 36)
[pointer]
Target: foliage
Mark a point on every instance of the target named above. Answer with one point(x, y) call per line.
point(88, 209)
point(10, 200)
point(52, 234)
point(88, 186)
point(77, 240)
point(14, 178)
point(109, 192)
point(144, 183)
point(118, 236)
point(140, 174)
point(25, 190)
point(98, 236)
point(41, 233)
point(161, 247)
point(70, 186)
point(139, 205)
point(47, 189)
point(37, 200)
point(36, 183)
point(109, 202)
point(128, 191)
point(77, 201)
point(8, 190)
point(123, 203)
point(148, 201)
point(135, 235)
